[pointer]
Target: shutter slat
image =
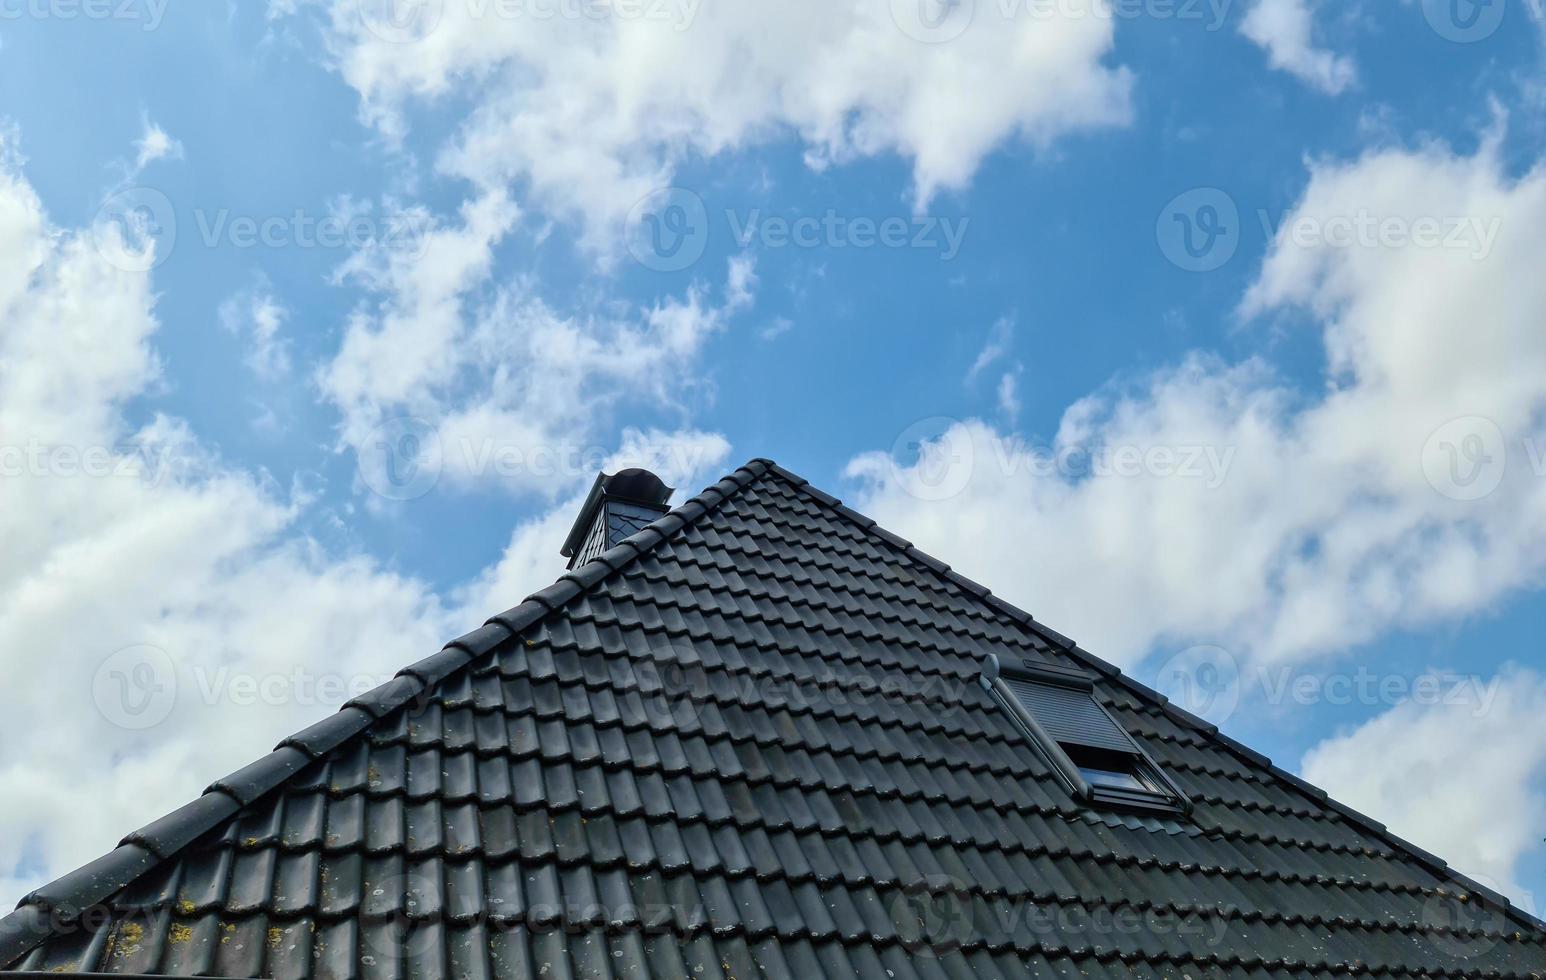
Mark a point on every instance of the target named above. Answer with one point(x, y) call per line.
point(1071, 716)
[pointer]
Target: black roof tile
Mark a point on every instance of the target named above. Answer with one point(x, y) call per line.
point(749, 741)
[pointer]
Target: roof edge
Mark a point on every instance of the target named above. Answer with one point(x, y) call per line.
point(44, 911)
point(1431, 863)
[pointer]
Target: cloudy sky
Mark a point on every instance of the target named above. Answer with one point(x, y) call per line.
point(1210, 331)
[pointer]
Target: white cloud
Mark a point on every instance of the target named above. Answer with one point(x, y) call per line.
point(998, 346)
point(414, 341)
point(154, 144)
point(741, 286)
point(1283, 525)
point(995, 349)
point(591, 114)
point(1285, 30)
point(776, 328)
point(494, 370)
point(1460, 779)
point(257, 316)
point(166, 618)
point(1009, 395)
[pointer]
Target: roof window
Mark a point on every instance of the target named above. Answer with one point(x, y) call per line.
point(1091, 754)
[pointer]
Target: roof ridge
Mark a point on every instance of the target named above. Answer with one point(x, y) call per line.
point(41, 911)
point(1429, 862)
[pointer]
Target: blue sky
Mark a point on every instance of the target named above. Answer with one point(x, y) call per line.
point(503, 294)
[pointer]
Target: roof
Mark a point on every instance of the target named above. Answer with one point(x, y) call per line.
point(748, 742)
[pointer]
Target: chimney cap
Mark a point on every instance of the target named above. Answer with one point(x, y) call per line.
point(633, 485)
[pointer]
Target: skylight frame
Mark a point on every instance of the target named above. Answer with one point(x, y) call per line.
point(1164, 798)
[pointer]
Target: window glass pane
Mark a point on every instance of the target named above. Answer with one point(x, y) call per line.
point(1115, 780)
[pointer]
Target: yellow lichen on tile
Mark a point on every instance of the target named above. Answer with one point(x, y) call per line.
point(179, 934)
point(275, 937)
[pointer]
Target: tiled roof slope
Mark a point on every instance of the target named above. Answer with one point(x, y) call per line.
point(749, 742)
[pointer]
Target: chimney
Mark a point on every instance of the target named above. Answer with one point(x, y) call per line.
point(618, 506)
